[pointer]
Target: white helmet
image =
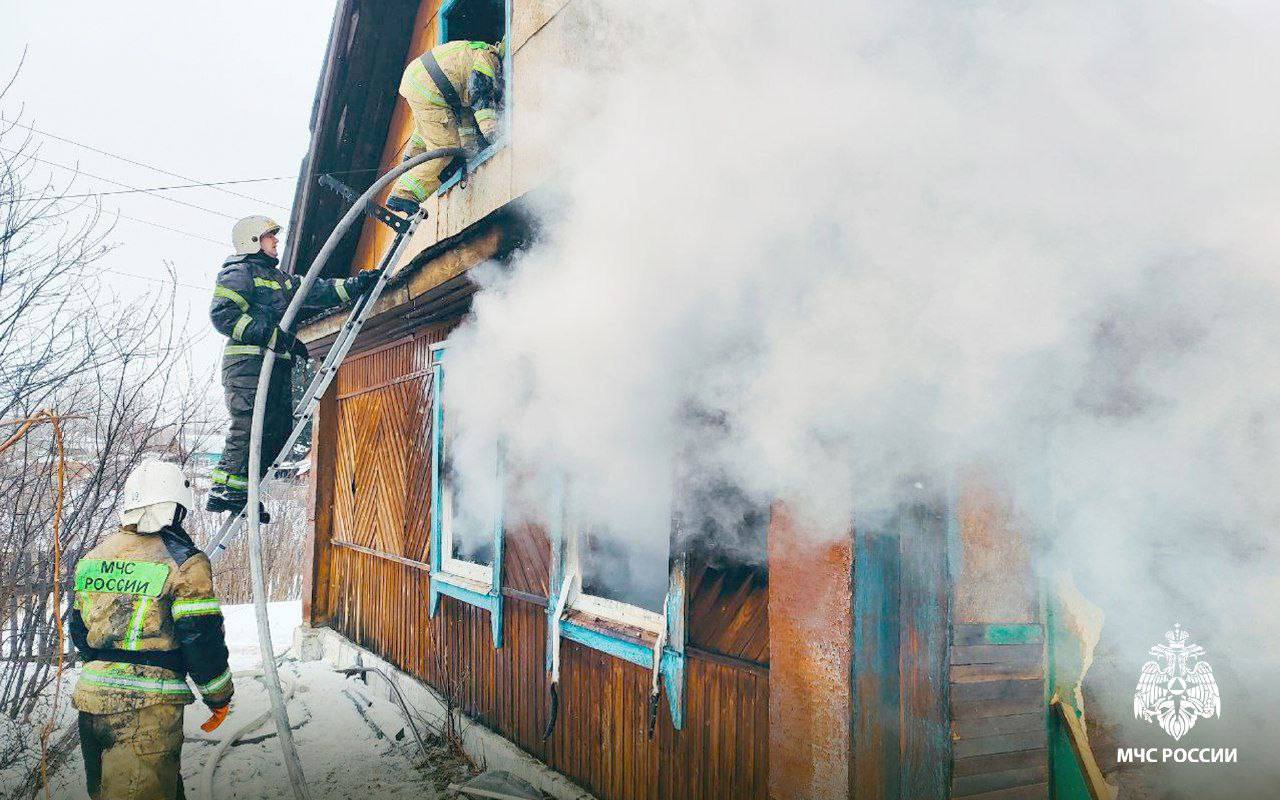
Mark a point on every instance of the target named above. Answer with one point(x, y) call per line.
point(247, 233)
point(152, 494)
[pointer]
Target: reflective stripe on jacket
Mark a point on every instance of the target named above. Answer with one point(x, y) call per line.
point(140, 594)
point(251, 296)
point(475, 70)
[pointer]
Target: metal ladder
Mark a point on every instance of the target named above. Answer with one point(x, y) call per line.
point(346, 337)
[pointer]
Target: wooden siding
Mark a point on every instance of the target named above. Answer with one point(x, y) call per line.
point(374, 590)
point(599, 739)
point(902, 615)
point(355, 102)
point(728, 610)
point(999, 723)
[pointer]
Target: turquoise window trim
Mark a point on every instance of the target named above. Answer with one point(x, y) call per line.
point(473, 163)
point(491, 600)
point(504, 119)
point(672, 666)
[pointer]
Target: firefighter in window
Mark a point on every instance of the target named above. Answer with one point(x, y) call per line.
point(455, 93)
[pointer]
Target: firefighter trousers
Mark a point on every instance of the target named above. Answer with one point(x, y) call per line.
point(133, 755)
point(240, 386)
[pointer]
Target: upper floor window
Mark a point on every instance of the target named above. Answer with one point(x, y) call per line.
point(473, 20)
point(481, 21)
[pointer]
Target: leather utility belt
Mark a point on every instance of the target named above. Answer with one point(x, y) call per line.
point(165, 659)
point(463, 116)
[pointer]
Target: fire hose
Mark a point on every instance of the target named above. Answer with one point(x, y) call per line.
point(288, 749)
point(210, 766)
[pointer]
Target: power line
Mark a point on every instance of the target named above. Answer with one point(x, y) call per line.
point(153, 224)
point(78, 171)
point(167, 228)
point(140, 163)
point(152, 278)
point(153, 189)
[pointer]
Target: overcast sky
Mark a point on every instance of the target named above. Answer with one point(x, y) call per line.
point(213, 91)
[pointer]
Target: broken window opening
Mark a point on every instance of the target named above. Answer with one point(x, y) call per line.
point(622, 577)
point(468, 538)
point(468, 526)
point(473, 20)
point(722, 524)
point(480, 21)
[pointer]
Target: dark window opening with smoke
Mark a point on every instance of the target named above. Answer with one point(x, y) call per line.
point(466, 527)
point(721, 523)
point(469, 538)
point(476, 21)
point(717, 520)
point(631, 572)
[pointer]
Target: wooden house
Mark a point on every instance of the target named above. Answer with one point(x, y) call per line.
point(904, 662)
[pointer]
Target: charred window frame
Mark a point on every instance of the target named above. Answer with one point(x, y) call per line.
point(471, 582)
point(473, 19)
point(653, 640)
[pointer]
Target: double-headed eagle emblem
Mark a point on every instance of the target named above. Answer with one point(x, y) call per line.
point(1177, 688)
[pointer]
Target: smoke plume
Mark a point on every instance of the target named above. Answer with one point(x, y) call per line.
point(819, 247)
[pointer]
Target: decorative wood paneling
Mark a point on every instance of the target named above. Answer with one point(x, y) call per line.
point(376, 591)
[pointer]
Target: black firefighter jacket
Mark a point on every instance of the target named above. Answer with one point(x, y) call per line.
point(251, 296)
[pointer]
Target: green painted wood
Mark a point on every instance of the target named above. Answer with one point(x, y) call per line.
point(877, 694)
point(997, 633)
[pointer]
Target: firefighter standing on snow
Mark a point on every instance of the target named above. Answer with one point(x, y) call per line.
point(454, 92)
point(251, 296)
point(144, 619)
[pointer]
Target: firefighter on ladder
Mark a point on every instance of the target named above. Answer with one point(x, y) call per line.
point(145, 618)
point(454, 92)
point(249, 300)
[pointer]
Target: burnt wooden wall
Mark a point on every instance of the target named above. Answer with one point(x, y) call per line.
point(998, 712)
point(371, 579)
point(902, 617)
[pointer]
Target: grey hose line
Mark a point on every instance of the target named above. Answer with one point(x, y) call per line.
point(210, 766)
point(404, 705)
point(288, 749)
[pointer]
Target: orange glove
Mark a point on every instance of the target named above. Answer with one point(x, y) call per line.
point(215, 719)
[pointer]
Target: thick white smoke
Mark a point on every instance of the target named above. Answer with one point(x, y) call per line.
point(879, 240)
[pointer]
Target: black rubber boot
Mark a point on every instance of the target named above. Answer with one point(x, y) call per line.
point(223, 498)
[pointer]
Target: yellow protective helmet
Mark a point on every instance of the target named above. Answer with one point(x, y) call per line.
point(246, 235)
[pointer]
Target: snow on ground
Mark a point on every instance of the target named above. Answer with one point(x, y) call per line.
point(242, 631)
point(354, 743)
